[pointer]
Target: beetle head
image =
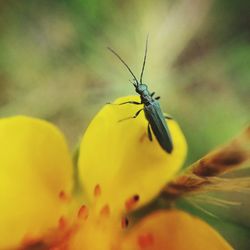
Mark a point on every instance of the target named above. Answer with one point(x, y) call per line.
point(141, 88)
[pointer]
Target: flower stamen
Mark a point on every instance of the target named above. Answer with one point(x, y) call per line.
point(83, 212)
point(124, 222)
point(63, 196)
point(132, 202)
point(105, 211)
point(97, 191)
point(62, 223)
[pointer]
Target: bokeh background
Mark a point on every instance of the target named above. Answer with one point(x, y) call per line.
point(54, 65)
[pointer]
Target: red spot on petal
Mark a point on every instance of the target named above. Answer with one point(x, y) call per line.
point(124, 222)
point(30, 242)
point(105, 211)
point(97, 190)
point(132, 202)
point(145, 240)
point(62, 240)
point(83, 212)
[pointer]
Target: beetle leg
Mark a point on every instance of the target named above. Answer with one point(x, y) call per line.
point(132, 117)
point(157, 98)
point(169, 117)
point(150, 137)
point(152, 94)
point(128, 102)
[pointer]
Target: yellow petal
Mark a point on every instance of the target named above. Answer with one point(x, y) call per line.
point(35, 177)
point(173, 230)
point(119, 157)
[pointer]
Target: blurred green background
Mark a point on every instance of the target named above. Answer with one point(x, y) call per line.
point(54, 64)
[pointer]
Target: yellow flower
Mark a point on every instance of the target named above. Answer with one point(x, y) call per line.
point(119, 169)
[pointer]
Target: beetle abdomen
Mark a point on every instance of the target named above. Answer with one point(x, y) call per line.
point(159, 126)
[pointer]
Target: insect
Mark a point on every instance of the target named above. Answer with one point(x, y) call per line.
point(151, 107)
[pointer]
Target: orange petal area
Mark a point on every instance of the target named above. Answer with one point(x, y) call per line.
point(173, 230)
point(95, 232)
point(35, 180)
point(119, 157)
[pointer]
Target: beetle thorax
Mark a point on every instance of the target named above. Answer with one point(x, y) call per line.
point(142, 90)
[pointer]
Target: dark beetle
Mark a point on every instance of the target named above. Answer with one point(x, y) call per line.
point(152, 109)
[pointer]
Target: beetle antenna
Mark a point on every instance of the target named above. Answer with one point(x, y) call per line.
point(144, 60)
point(137, 83)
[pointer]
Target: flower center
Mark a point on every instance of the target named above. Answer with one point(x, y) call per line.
point(95, 228)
